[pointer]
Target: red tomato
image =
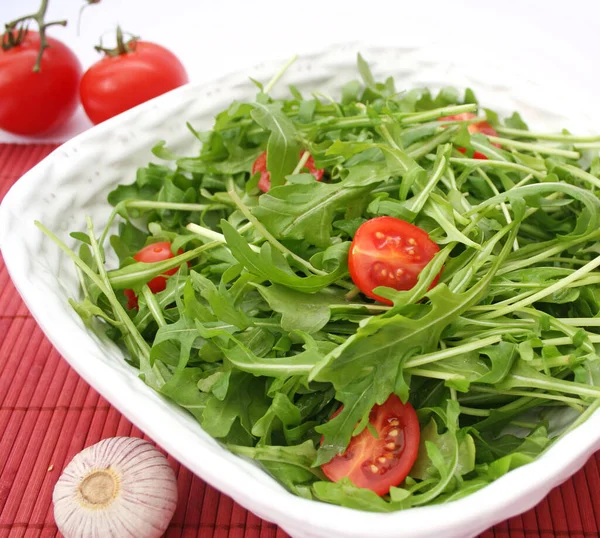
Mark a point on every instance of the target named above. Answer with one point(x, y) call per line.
point(31, 102)
point(481, 127)
point(264, 183)
point(156, 252)
point(387, 251)
point(378, 464)
point(117, 83)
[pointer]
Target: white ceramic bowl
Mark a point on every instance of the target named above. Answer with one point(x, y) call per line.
point(74, 181)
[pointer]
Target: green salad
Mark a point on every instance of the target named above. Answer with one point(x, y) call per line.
point(384, 297)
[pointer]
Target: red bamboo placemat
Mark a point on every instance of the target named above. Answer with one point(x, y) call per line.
point(48, 414)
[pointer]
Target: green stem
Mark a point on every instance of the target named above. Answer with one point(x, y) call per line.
point(38, 17)
point(528, 394)
point(553, 362)
point(432, 374)
point(354, 292)
point(130, 275)
point(567, 340)
point(477, 163)
point(505, 211)
point(148, 204)
point(540, 148)
point(420, 360)
point(581, 322)
point(153, 306)
point(416, 151)
point(558, 137)
point(420, 117)
point(211, 235)
point(269, 86)
point(418, 201)
point(301, 162)
point(371, 307)
point(559, 385)
point(473, 411)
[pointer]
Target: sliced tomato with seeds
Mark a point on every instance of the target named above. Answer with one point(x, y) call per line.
point(264, 183)
point(482, 127)
point(380, 463)
point(387, 251)
point(156, 252)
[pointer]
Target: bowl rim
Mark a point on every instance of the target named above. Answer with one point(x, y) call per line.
point(479, 509)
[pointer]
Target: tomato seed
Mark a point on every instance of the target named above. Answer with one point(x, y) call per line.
point(394, 421)
point(411, 241)
point(393, 433)
point(390, 446)
point(382, 459)
point(374, 469)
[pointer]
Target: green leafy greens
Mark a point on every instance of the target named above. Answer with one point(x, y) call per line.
point(261, 334)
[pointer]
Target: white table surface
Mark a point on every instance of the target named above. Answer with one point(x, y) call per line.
point(217, 37)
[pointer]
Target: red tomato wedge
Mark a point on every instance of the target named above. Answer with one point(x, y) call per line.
point(387, 251)
point(379, 464)
point(264, 183)
point(156, 252)
point(482, 127)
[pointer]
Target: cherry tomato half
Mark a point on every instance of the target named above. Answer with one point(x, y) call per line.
point(387, 251)
point(378, 464)
point(264, 183)
point(156, 252)
point(37, 102)
point(480, 127)
point(117, 83)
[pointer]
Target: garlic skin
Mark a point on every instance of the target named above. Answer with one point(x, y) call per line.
point(121, 487)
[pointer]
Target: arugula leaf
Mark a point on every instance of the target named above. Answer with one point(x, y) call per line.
point(365, 71)
point(283, 150)
point(245, 360)
point(219, 415)
point(304, 211)
point(424, 467)
point(270, 265)
point(300, 311)
point(347, 494)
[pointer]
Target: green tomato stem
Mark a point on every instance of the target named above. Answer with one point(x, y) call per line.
point(38, 17)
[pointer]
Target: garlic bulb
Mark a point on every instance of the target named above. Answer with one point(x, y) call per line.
point(121, 487)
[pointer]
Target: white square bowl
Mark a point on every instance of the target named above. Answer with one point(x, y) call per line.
point(73, 182)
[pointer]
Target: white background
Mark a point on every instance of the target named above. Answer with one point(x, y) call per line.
point(217, 37)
